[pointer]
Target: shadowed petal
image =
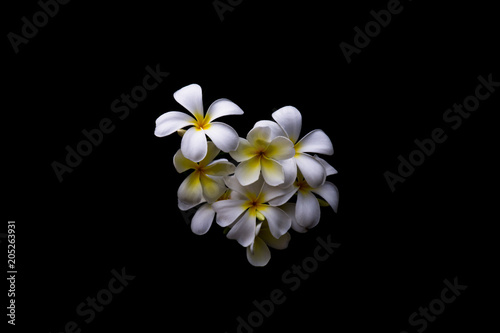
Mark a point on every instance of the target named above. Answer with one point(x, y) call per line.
point(202, 219)
point(290, 119)
point(258, 253)
point(223, 136)
point(194, 144)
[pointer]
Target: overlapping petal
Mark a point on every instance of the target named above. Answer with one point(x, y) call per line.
point(223, 107)
point(315, 142)
point(290, 119)
point(279, 222)
point(307, 211)
point(228, 211)
point(280, 148)
point(190, 191)
point(172, 121)
point(272, 171)
point(223, 136)
point(212, 187)
point(258, 253)
point(244, 230)
point(191, 98)
point(194, 144)
point(245, 151)
point(330, 193)
point(202, 219)
point(181, 163)
point(313, 171)
point(248, 171)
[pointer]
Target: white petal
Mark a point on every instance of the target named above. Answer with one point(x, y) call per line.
point(245, 151)
point(315, 142)
point(330, 193)
point(185, 206)
point(181, 163)
point(221, 167)
point(223, 107)
point(223, 136)
point(279, 222)
point(276, 243)
point(285, 195)
point(259, 137)
point(228, 211)
point(272, 171)
point(244, 230)
point(190, 191)
point(170, 122)
point(290, 171)
point(258, 254)
point(313, 171)
point(213, 187)
point(247, 172)
point(290, 119)
point(280, 148)
point(191, 98)
point(212, 152)
point(307, 211)
point(276, 129)
point(194, 144)
point(289, 209)
point(328, 168)
point(202, 219)
point(251, 191)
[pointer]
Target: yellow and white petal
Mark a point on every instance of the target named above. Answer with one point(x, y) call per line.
point(194, 144)
point(249, 192)
point(191, 98)
point(245, 151)
point(190, 191)
point(307, 211)
point(312, 170)
point(181, 163)
point(223, 136)
point(280, 195)
point(223, 107)
point(276, 129)
point(258, 253)
point(212, 152)
point(221, 167)
point(280, 148)
point(276, 243)
point(330, 193)
point(244, 230)
point(259, 137)
point(228, 211)
point(315, 142)
point(213, 187)
point(290, 119)
point(272, 171)
point(279, 222)
point(290, 171)
point(202, 219)
point(247, 172)
point(172, 121)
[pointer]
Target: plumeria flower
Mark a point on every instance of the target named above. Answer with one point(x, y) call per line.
point(248, 203)
point(307, 209)
point(206, 182)
point(289, 121)
point(258, 253)
point(194, 141)
point(204, 216)
point(260, 152)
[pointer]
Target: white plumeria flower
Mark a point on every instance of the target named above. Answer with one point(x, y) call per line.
point(206, 182)
point(258, 253)
point(289, 121)
point(260, 152)
point(204, 216)
point(307, 208)
point(248, 203)
point(194, 141)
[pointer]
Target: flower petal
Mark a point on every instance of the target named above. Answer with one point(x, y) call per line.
point(307, 211)
point(213, 187)
point(276, 243)
point(223, 136)
point(259, 137)
point(258, 253)
point(283, 196)
point(221, 167)
point(223, 107)
point(244, 230)
point(170, 122)
point(279, 222)
point(212, 152)
point(181, 163)
point(245, 151)
point(280, 148)
point(190, 191)
point(314, 173)
point(194, 144)
point(328, 168)
point(247, 172)
point(330, 193)
point(202, 219)
point(290, 171)
point(315, 142)
point(191, 98)
point(276, 129)
point(272, 171)
point(289, 209)
point(249, 192)
point(290, 119)
point(228, 211)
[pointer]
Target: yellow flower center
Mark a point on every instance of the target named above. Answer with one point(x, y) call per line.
point(303, 185)
point(202, 123)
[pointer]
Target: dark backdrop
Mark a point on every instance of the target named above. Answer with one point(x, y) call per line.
point(117, 209)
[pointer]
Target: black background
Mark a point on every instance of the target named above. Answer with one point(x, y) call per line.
point(118, 207)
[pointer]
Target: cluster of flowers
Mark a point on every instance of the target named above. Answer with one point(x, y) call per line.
point(250, 199)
